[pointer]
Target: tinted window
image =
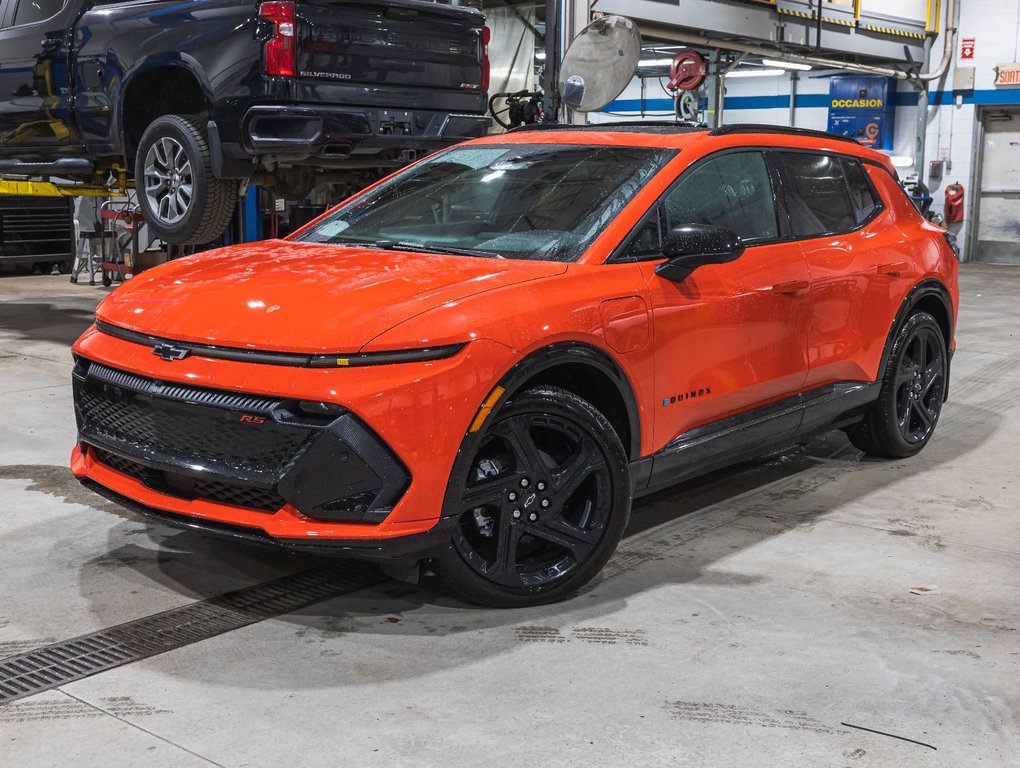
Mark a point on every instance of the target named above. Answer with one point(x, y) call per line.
point(817, 195)
point(36, 10)
point(731, 191)
point(862, 196)
point(525, 201)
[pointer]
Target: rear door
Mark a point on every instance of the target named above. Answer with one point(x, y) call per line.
point(408, 49)
point(35, 87)
point(860, 265)
point(731, 337)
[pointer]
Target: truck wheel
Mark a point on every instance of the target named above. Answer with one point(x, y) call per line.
point(181, 199)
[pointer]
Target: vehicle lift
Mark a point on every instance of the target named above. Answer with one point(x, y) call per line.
point(88, 257)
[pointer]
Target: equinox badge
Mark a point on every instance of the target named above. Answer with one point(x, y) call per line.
point(170, 352)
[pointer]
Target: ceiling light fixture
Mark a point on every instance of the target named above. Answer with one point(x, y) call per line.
point(655, 62)
point(756, 73)
point(786, 65)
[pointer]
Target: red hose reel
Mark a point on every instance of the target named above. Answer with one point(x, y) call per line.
point(688, 71)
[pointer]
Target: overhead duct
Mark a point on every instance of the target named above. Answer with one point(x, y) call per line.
point(775, 53)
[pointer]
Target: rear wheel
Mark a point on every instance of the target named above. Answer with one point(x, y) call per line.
point(903, 419)
point(180, 197)
point(542, 503)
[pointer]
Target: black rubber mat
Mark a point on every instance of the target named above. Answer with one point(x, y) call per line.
point(50, 666)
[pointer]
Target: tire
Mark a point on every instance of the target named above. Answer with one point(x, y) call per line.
point(540, 502)
point(903, 418)
point(180, 198)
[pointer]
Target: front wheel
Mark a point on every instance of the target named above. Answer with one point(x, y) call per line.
point(182, 200)
point(903, 418)
point(541, 503)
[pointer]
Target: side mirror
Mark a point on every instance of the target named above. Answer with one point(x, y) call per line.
point(693, 245)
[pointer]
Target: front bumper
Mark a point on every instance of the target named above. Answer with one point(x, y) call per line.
point(340, 136)
point(431, 543)
point(248, 451)
point(417, 413)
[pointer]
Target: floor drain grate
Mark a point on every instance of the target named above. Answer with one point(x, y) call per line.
point(45, 668)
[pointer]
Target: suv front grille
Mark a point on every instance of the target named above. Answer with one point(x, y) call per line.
point(187, 487)
point(189, 433)
point(256, 452)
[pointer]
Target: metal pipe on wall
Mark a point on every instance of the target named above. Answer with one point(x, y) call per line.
point(794, 77)
point(922, 117)
point(551, 74)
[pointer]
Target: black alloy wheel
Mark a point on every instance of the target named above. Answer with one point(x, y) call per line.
point(919, 385)
point(543, 505)
point(904, 417)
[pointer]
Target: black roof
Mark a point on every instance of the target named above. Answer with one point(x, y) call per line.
point(726, 130)
point(663, 126)
point(643, 126)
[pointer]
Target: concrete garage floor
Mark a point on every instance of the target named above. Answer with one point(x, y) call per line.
point(744, 618)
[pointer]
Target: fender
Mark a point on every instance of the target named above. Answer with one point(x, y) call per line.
point(534, 363)
point(577, 353)
point(162, 60)
point(924, 289)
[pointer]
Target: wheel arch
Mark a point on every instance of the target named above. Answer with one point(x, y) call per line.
point(933, 297)
point(588, 372)
point(161, 86)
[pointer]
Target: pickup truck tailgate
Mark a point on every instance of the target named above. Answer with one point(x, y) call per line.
point(400, 43)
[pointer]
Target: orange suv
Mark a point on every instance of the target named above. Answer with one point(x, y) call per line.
point(481, 360)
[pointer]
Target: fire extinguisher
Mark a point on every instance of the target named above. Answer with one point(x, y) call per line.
point(954, 203)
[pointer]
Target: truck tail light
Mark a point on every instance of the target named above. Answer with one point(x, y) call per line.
point(280, 50)
point(486, 36)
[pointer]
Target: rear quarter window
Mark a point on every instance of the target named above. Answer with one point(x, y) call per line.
point(816, 193)
point(863, 198)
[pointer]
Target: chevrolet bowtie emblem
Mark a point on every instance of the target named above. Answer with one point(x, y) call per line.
point(170, 352)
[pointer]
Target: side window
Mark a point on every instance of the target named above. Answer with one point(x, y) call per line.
point(862, 197)
point(30, 11)
point(731, 191)
point(817, 196)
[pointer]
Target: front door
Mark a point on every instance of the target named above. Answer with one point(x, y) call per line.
point(730, 337)
point(35, 87)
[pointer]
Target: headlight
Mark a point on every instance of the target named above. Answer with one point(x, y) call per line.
point(385, 358)
point(181, 349)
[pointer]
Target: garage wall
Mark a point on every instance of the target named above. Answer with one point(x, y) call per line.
point(952, 132)
point(763, 100)
point(952, 125)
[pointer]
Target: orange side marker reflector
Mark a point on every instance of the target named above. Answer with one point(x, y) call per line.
point(486, 409)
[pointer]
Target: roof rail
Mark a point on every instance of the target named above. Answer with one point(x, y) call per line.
point(725, 130)
point(636, 125)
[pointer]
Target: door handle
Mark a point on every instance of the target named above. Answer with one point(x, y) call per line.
point(892, 269)
point(790, 288)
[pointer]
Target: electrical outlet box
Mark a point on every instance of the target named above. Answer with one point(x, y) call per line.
point(963, 79)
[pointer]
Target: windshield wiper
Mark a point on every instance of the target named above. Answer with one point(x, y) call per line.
point(422, 248)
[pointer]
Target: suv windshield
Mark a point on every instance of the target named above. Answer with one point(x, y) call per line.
point(525, 201)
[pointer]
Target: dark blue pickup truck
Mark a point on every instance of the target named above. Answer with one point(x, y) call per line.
point(193, 98)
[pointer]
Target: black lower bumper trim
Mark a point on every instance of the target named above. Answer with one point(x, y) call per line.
point(337, 133)
point(417, 546)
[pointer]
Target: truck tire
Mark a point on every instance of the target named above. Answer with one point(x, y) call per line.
point(180, 197)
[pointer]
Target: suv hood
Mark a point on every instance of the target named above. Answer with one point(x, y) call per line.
point(296, 297)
